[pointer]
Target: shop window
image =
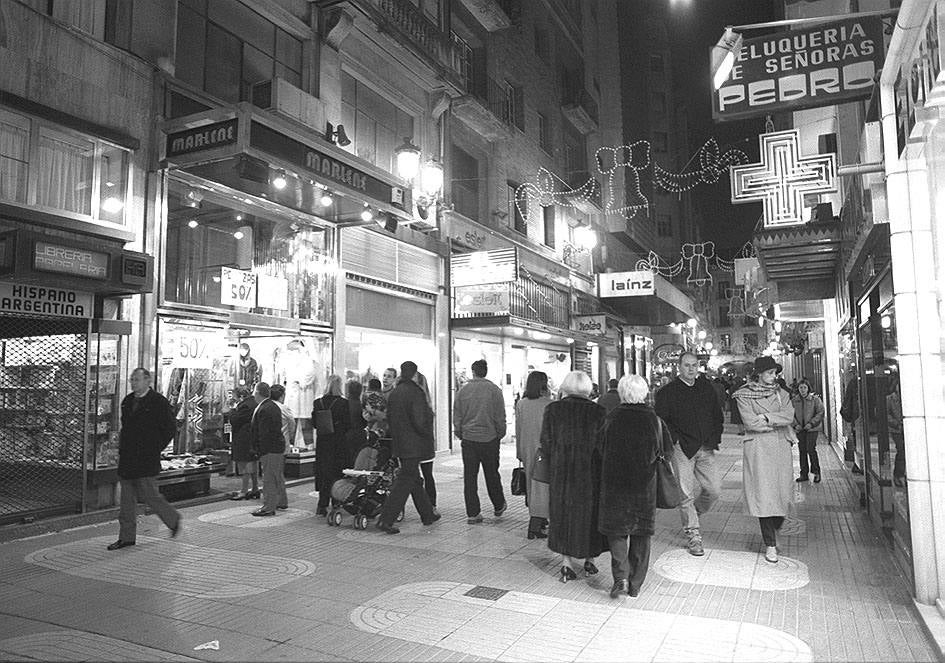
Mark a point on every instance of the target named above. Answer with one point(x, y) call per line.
point(224, 48)
point(72, 173)
point(223, 257)
point(464, 184)
point(375, 125)
point(203, 368)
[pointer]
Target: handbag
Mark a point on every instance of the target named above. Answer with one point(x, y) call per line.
point(668, 492)
point(519, 481)
point(324, 422)
point(541, 471)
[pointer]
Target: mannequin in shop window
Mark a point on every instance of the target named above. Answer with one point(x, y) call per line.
point(248, 372)
point(297, 372)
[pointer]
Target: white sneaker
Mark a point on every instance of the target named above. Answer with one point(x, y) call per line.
point(771, 554)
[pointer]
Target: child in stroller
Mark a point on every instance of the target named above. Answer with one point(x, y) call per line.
point(364, 488)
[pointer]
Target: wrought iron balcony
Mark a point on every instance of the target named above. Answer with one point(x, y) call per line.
point(488, 107)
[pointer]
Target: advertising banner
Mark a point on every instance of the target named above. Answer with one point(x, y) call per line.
point(45, 300)
point(823, 65)
point(489, 299)
point(237, 287)
point(590, 324)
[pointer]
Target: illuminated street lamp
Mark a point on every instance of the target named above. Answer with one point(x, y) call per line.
point(408, 159)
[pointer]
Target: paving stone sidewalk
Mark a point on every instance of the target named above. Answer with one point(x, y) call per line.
point(291, 587)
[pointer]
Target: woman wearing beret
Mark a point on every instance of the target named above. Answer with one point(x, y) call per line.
point(768, 465)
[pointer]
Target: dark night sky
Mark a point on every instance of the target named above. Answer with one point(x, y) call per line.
point(696, 26)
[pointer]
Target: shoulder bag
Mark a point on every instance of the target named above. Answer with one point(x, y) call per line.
point(668, 492)
point(541, 472)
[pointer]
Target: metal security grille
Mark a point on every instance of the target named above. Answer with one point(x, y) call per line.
point(42, 415)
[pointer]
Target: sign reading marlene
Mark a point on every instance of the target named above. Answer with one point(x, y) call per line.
point(626, 284)
point(819, 66)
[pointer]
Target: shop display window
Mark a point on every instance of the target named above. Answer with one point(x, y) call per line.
point(368, 352)
point(61, 170)
point(223, 257)
point(202, 368)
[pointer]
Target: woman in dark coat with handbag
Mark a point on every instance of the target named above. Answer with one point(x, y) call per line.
point(632, 437)
point(331, 452)
point(241, 449)
point(569, 439)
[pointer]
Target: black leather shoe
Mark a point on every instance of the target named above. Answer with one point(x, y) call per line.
point(567, 573)
point(816, 478)
point(590, 568)
point(175, 530)
point(118, 545)
point(801, 479)
point(537, 534)
point(387, 529)
point(253, 495)
point(263, 512)
point(620, 586)
point(436, 517)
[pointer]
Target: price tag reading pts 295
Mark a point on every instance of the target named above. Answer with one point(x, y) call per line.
point(237, 287)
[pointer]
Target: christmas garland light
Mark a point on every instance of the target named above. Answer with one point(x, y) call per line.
point(697, 258)
point(635, 158)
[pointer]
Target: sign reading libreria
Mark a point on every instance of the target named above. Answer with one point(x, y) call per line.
point(823, 65)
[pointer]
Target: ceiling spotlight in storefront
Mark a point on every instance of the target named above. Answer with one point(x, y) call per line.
point(193, 223)
point(569, 341)
point(191, 198)
point(367, 214)
point(279, 180)
point(326, 200)
point(112, 205)
point(707, 345)
point(239, 234)
point(723, 56)
point(585, 238)
point(692, 322)
point(702, 334)
point(408, 159)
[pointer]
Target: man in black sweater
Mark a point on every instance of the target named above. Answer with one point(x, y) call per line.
point(690, 408)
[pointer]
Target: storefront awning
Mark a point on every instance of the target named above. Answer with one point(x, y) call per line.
point(801, 260)
point(506, 325)
point(249, 150)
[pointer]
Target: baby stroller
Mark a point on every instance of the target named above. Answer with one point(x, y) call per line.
point(363, 490)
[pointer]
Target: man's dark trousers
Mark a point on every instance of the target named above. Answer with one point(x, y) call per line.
point(487, 455)
point(406, 483)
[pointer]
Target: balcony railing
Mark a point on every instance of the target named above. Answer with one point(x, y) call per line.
point(539, 302)
point(413, 25)
point(582, 99)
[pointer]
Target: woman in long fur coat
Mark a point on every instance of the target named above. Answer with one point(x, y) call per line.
point(569, 439)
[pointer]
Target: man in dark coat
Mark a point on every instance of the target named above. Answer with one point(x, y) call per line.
point(411, 430)
point(269, 445)
point(147, 425)
point(691, 409)
point(610, 399)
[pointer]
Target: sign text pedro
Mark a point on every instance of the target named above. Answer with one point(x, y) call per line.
point(819, 66)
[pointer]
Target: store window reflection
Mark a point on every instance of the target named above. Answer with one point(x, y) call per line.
point(225, 257)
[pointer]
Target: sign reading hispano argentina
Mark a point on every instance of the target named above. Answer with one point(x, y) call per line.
point(826, 64)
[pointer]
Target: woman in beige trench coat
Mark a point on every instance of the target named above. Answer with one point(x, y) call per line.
point(528, 416)
point(768, 465)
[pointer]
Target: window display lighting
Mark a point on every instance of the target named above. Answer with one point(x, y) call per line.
point(193, 223)
point(367, 214)
point(326, 199)
point(279, 180)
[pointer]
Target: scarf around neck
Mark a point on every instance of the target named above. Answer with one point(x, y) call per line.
point(756, 390)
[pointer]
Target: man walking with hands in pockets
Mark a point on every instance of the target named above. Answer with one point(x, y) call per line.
point(691, 410)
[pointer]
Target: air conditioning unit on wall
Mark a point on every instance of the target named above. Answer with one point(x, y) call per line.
point(280, 96)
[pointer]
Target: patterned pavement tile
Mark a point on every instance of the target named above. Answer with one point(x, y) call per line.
point(70, 645)
point(178, 568)
point(241, 516)
point(562, 629)
point(732, 569)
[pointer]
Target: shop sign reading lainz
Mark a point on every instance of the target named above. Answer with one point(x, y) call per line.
point(626, 284)
point(806, 68)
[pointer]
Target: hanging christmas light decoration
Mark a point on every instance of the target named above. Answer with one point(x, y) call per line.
point(712, 165)
point(635, 157)
point(545, 193)
point(698, 258)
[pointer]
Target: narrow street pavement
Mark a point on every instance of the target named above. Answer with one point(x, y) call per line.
point(292, 587)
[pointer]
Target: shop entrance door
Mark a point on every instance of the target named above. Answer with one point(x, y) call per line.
point(43, 394)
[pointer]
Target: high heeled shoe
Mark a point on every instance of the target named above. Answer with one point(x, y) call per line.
point(590, 568)
point(567, 574)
